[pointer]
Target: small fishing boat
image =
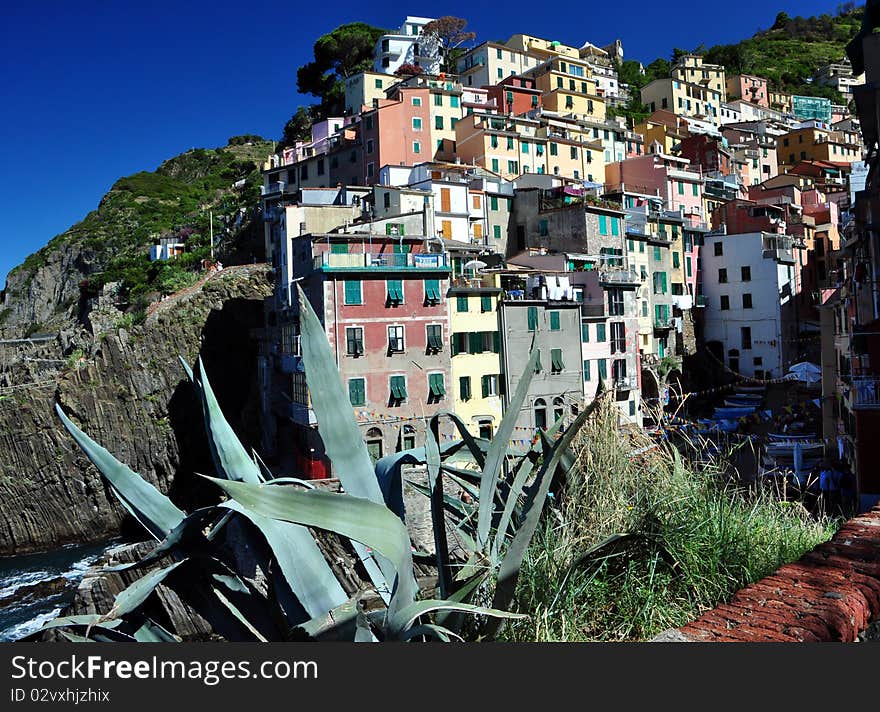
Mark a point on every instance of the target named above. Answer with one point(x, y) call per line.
point(733, 412)
point(787, 437)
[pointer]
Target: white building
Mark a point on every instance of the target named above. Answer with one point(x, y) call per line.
point(749, 285)
point(167, 249)
point(407, 46)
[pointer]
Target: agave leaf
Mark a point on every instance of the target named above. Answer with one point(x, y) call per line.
point(434, 631)
point(363, 633)
point(372, 525)
point(343, 442)
point(510, 565)
point(265, 472)
point(86, 619)
point(304, 567)
point(152, 632)
point(73, 638)
point(238, 614)
point(452, 504)
point(402, 621)
point(230, 457)
point(477, 452)
point(156, 511)
point(498, 450)
point(138, 591)
point(337, 426)
point(462, 594)
point(523, 472)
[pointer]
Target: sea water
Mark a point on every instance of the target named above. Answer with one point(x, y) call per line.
point(20, 618)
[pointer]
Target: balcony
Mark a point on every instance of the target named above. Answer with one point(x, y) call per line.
point(865, 392)
point(381, 261)
point(272, 188)
point(619, 276)
point(626, 383)
point(664, 323)
point(593, 310)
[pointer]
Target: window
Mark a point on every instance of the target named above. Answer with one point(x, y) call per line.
point(573, 152)
point(510, 143)
point(603, 368)
point(618, 337)
point(722, 275)
point(438, 122)
point(533, 318)
point(416, 123)
point(541, 413)
point(496, 232)
point(513, 166)
point(554, 321)
point(554, 149)
point(369, 121)
point(485, 429)
point(494, 165)
point(719, 248)
point(688, 266)
point(603, 224)
point(585, 333)
point(378, 83)
point(746, 273)
point(644, 307)
point(354, 341)
point(618, 369)
point(394, 291)
point(680, 187)
point(747, 301)
point(543, 228)
point(395, 340)
point(417, 147)
point(657, 254)
point(600, 332)
point(493, 202)
point(524, 145)
point(615, 229)
point(436, 387)
point(438, 100)
point(357, 391)
point(489, 385)
point(453, 102)
point(538, 366)
point(432, 291)
point(353, 294)
point(397, 385)
point(464, 388)
point(746, 336)
point(586, 370)
point(695, 188)
point(725, 302)
point(461, 303)
point(615, 302)
point(485, 303)
point(434, 337)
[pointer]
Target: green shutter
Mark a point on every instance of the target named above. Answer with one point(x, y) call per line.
point(461, 303)
point(496, 232)
point(435, 385)
point(339, 248)
point(493, 202)
point(353, 291)
point(600, 332)
point(615, 229)
point(554, 321)
point(533, 318)
point(585, 333)
point(675, 260)
point(484, 384)
point(486, 303)
point(394, 289)
point(464, 387)
point(538, 362)
point(398, 387)
point(496, 342)
point(556, 360)
point(432, 290)
point(453, 340)
point(603, 225)
point(586, 370)
point(603, 372)
point(656, 253)
point(475, 342)
point(356, 391)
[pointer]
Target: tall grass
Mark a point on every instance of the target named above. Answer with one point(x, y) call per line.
point(691, 540)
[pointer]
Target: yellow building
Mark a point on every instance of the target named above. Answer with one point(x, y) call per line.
point(476, 347)
point(665, 128)
point(691, 69)
point(813, 143)
point(780, 101)
point(541, 48)
point(683, 98)
point(365, 89)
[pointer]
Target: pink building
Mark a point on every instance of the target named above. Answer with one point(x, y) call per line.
point(669, 177)
point(748, 88)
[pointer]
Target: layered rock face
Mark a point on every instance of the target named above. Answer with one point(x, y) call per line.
point(129, 392)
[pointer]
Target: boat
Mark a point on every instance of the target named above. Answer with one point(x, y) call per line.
point(733, 411)
point(738, 403)
point(751, 389)
point(751, 397)
point(788, 437)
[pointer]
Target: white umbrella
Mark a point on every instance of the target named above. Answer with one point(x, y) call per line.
point(804, 371)
point(475, 264)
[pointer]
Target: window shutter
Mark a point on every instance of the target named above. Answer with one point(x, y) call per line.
point(464, 387)
point(496, 342)
point(484, 384)
point(486, 303)
point(533, 318)
point(475, 342)
point(554, 321)
point(538, 362)
point(353, 291)
point(585, 333)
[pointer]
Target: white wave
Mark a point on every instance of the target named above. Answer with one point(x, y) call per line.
point(27, 627)
point(10, 584)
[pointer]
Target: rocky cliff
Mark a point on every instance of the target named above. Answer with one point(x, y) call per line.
point(127, 389)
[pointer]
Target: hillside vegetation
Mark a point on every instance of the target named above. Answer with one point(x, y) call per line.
point(175, 201)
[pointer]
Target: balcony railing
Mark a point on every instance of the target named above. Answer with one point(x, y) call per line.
point(592, 310)
point(618, 276)
point(626, 383)
point(664, 322)
point(866, 392)
point(276, 187)
point(381, 260)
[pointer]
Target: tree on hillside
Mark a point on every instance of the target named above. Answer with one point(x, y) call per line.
point(658, 69)
point(782, 19)
point(340, 53)
point(449, 33)
point(299, 127)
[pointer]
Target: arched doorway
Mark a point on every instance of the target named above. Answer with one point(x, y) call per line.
point(373, 440)
point(541, 414)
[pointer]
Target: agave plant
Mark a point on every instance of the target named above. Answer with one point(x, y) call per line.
point(304, 596)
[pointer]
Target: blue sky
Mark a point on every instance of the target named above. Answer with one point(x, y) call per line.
point(92, 91)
